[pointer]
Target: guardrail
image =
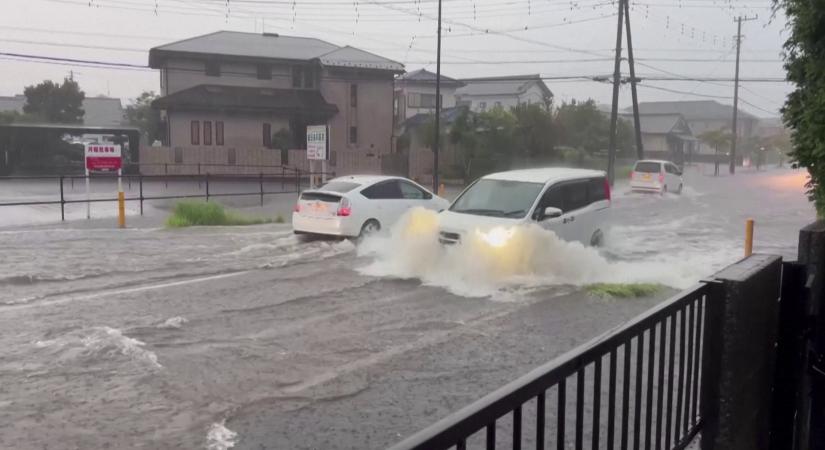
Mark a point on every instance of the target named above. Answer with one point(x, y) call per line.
point(656, 366)
point(289, 183)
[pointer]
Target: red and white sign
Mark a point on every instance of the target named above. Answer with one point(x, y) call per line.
point(103, 157)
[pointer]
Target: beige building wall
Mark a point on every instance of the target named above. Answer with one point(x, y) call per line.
point(654, 142)
point(239, 130)
point(373, 117)
point(180, 74)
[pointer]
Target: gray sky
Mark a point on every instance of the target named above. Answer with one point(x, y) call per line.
point(672, 38)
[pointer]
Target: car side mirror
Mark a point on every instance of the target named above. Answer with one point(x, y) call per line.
point(551, 213)
point(428, 196)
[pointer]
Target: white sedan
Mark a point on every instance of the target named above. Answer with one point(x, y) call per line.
point(356, 205)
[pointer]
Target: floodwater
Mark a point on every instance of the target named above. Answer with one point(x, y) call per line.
point(251, 338)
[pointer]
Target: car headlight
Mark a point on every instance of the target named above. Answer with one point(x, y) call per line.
point(496, 237)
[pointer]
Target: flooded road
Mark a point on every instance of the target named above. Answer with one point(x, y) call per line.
point(250, 338)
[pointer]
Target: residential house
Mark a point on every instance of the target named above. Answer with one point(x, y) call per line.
point(666, 136)
point(415, 93)
point(702, 116)
point(483, 94)
point(225, 94)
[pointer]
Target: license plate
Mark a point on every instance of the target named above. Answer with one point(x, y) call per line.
point(646, 177)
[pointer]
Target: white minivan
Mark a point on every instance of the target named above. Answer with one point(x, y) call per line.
point(653, 175)
point(573, 203)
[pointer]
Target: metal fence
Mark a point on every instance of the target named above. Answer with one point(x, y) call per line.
point(636, 387)
point(290, 181)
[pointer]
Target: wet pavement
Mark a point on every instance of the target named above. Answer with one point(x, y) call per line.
point(214, 337)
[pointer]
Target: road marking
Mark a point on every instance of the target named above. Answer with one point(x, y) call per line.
point(150, 287)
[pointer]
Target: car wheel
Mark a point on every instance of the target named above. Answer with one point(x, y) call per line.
point(597, 240)
point(369, 228)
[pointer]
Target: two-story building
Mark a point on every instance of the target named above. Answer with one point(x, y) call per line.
point(482, 94)
point(231, 98)
point(415, 93)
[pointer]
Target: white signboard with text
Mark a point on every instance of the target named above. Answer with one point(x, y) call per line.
point(103, 157)
point(317, 136)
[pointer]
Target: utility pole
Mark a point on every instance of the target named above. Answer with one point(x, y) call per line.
point(640, 152)
point(736, 93)
point(614, 111)
point(437, 102)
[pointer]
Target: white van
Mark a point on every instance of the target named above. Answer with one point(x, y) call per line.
point(653, 175)
point(573, 203)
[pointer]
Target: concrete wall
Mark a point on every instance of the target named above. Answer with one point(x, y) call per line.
point(182, 74)
point(215, 160)
point(239, 130)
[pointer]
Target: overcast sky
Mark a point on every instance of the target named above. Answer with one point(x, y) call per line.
point(672, 38)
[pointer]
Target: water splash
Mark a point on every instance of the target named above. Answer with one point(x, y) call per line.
point(96, 343)
point(489, 264)
point(220, 437)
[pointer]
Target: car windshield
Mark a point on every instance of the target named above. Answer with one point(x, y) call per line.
point(339, 186)
point(498, 198)
point(648, 167)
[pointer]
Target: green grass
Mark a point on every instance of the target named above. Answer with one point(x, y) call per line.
point(189, 213)
point(622, 290)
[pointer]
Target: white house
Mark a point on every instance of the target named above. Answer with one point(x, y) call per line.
point(482, 94)
point(415, 93)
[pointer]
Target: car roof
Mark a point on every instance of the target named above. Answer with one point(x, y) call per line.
point(661, 161)
point(364, 179)
point(544, 175)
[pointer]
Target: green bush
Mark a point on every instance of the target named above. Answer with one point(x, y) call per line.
point(190, 213)
point(622, 290)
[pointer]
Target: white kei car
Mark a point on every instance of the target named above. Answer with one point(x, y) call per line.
point(653, 175)
point(573, 203)
point(356, 205)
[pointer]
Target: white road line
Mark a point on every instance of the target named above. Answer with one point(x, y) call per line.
point(150, 287)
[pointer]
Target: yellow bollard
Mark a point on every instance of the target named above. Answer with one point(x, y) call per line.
point(441, 190)
point(748, 237)
point(121, 210)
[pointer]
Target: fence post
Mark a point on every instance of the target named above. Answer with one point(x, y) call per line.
point(166, 173)
point(283, 178)
point(140, 181)
point(62, 201)
point(207, 186)
point(740, 350)
point(261, 183)
point(297, 180)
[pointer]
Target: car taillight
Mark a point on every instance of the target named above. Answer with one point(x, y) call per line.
point(632, 174)
point(344, 207)
point(607, 188)
point(661, 178)
point(297, 207)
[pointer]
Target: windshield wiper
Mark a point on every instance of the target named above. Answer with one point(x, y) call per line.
point(483, 212)
point(518, 212)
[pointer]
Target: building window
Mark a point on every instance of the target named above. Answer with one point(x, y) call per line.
point(297, 76)
point(414, 100)
point(267, 135)
point(353, 135)
point(264, 72)
point(498, 104)
point(196, 132)
point(207, 132)
point(428, 100)
point(162, 83)
point(482, 106)
point(178, 155)
point(230, 156)
point(218, 133)
point(213, 69)
point(353, 95)
point(309, 78)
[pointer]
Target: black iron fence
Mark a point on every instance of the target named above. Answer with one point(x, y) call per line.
point(636, 387)
point(290, 181)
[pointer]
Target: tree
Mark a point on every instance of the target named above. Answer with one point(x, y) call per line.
point(55, 103)
point(140, 114)
point(536, 131)
point(805, 105)
point(464, 135)
point(716, 139)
